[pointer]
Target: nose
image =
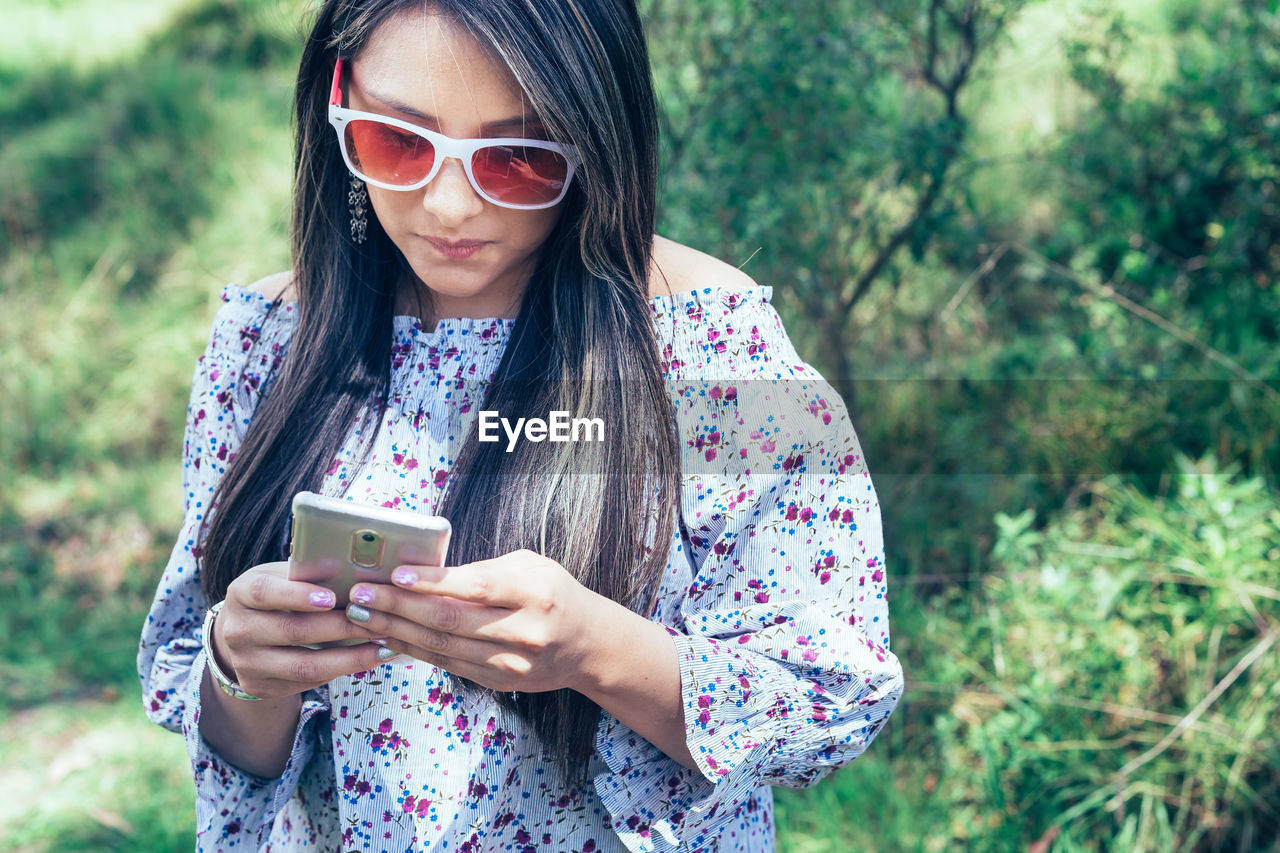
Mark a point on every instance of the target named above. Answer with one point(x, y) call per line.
point(450, 197)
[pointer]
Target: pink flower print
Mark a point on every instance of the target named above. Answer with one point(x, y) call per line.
point(385, 726)
point(846, 516)
point(715, 393)
point(810, 655)
point(378, 741)
point(710, 454)
point(824, 577)
point(762, 598)
point(410, 464)
point(363, 787)
point(767, 446)
point(731, 393)
point(877, 576)
point(718, 346)
point(424, 805)
point(792, 512)
point(408, 804)
point(712, 334)
point(442, 477)
point(806, 514)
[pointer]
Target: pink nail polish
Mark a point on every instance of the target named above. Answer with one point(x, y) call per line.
point(405, 577)
point(362, 595)
point(321, 598)
point(378, 641)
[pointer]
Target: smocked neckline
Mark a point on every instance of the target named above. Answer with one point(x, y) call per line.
point(684, 301)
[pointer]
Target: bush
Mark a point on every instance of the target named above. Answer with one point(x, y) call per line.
point(1117, 681)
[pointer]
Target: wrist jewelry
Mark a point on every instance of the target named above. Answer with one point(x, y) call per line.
point(228, 686)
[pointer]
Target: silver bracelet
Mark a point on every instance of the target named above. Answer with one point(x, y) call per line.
point(228, 686)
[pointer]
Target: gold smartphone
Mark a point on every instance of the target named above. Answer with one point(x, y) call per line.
point(338, 543)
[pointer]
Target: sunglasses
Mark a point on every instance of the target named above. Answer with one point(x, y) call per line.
point(525, 174)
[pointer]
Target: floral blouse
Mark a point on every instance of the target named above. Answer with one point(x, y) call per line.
point(774, 595)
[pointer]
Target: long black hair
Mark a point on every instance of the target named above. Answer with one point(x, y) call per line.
point(583, 341)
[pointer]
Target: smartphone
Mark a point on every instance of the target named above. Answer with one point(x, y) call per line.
point(337, 543)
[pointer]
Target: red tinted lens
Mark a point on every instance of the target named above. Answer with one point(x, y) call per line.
point(388, 154)
point(520, 174)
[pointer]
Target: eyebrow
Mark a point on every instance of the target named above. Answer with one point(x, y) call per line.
point(392, 103)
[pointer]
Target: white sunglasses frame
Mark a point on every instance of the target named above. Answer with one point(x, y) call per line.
point(446, 147)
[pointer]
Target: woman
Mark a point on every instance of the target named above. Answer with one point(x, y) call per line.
point(636, 637)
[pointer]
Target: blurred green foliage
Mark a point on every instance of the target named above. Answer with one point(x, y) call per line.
point(1114, 680)
point(1034, 244)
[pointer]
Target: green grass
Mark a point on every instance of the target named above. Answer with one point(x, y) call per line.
point(93, 776)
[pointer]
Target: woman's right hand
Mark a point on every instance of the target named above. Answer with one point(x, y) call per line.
point(257, 636)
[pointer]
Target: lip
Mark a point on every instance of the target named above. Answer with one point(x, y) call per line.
point(456, 249)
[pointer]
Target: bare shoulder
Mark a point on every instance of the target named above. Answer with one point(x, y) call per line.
point(278, 286)
point(678, 268)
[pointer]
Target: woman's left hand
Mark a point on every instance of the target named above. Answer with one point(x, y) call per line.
point(516, 622)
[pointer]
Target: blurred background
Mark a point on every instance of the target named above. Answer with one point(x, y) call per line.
point(1035, 245)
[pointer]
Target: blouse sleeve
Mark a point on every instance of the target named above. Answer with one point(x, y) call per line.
point(782, 630)
point(234, 809)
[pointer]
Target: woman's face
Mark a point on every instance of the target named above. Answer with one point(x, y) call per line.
point(475, 257)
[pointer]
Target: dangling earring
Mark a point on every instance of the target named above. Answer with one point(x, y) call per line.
point(358, 202)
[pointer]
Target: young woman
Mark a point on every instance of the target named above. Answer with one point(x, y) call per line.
point(635, 637)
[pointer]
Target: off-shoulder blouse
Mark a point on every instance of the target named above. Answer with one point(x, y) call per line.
point(774, 595)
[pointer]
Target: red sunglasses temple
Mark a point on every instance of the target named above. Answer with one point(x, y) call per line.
point(335, 91)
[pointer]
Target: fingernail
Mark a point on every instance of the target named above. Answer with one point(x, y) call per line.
point(321, 598)
point(405, 577)
point(386, 654)
point(362, 595)
point(380, 641)
point(356, 613)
